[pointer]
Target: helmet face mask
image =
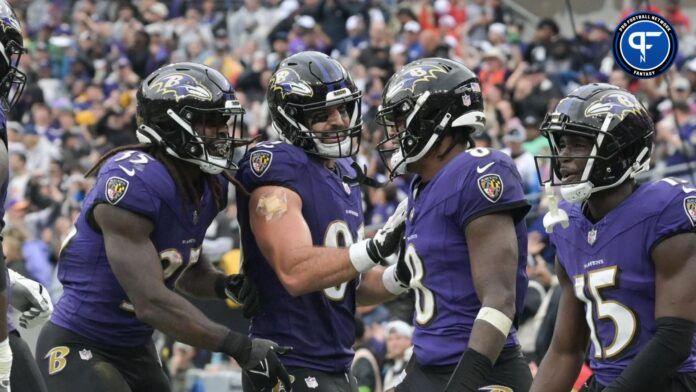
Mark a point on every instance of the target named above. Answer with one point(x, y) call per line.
point(620, 131)
point(307, 87)
point(420, 103)
point(12, 80)
point(191, 111)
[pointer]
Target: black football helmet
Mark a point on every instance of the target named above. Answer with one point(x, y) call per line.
point(177, 102)
point(12, 80)
point(620, 127)
point(423, 100)
point(301, 86)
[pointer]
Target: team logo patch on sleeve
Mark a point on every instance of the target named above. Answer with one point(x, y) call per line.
point(491, 185)
point(116, 188)
point(260, 162)
point(690, 208)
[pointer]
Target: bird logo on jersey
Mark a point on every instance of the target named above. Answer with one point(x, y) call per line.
point(491, 185)
point(690, 208)
point(260, 161)
point(116, 188)
point(287, 81)
point(415, 75)
point(181, 85)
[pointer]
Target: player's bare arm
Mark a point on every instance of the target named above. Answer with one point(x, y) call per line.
point(494, 270)
point(203, 280)
point(675, 317)
point(563, 360)
point(137, 267)
point(286, 242)
point(493, 253)
point(372, 290)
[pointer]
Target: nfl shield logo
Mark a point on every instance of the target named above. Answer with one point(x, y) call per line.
point(85, 354)
point(346, 188)
point(116, 188)
point(491, 186)
point(260, 161)
point(592, 236)
point(311, 382)
point(466, 100)
point(690, 208)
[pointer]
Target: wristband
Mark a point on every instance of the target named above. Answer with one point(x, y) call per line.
point(359, 257)
point(495, 318)
point(391, 283)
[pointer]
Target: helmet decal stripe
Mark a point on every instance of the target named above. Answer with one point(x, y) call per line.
point(325, 74)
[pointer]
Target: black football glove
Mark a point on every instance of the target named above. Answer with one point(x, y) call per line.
point(263, 368)
point(402, 272)
point(241, 290)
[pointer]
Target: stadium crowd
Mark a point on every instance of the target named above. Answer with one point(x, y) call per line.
point(86, 59)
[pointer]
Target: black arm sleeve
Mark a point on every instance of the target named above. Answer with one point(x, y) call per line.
point(471, 372)
point(661, 357)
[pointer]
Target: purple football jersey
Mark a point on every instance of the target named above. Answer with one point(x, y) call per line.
point(3, 200)
point(94, 304)
point(610, 264)
point(475, 183)
point(319, 326)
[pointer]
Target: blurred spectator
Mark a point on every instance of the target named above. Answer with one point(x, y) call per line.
point(399, 351)
point(545, 36)
point(514, 136)
point(365, 367)
point(180, 362)
point(356, 39)
point(414, 49)
point(679, 19)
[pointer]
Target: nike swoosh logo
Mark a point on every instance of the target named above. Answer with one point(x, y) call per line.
point(480, 169)
point(130, 172)
point(264, 369)
point(687, 189)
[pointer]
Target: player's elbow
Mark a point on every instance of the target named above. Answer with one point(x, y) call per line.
point(502, 300)
point(147, 309)
point(293, 284)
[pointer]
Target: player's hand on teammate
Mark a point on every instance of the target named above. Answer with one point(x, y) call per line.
point(385, 242)
point(242, 291)
point(30, 298)
point(263, 367)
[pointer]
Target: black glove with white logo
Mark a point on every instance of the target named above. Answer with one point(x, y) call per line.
point(263, 368)
point(369, 253)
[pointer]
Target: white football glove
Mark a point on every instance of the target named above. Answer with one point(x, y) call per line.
point(30, 298)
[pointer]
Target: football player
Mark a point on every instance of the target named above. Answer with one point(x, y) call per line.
point(627, 260)
point(139, 235)
point(300, 211)
point(17, 367)
point(466, 239)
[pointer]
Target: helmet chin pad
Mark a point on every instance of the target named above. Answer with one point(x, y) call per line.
point(577, 193)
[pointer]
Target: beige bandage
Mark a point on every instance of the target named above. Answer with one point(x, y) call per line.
point(272, 205)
